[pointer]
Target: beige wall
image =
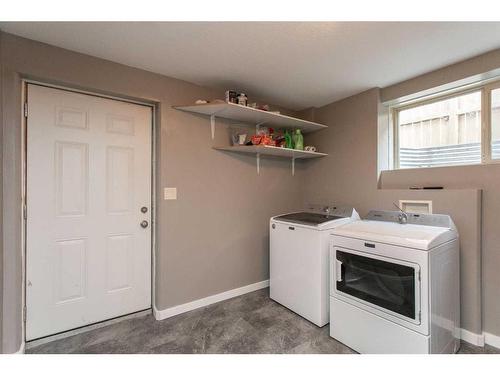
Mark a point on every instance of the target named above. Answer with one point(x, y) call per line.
point(213, 238)
point(349, 176)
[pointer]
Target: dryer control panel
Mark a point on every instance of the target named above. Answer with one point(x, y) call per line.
point(433, 220)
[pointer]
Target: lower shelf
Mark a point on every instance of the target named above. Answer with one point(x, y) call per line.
point(274, 151)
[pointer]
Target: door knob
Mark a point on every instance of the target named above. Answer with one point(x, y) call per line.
point(144, 224)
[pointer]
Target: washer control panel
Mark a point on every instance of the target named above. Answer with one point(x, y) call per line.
point(331, 210)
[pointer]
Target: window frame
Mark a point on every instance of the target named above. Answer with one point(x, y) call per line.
point(485, 88)
point(487, 126)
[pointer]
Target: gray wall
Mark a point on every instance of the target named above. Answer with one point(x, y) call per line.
point(485, 177)
point(197, 256)
point(213, 238)
point(350, 177)
point(468, 70)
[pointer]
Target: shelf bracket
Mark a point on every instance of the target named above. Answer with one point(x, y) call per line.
point(258, 164)
point(293, 165)
point(212, 125)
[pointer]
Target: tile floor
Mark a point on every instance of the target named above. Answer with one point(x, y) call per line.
point(251, 323)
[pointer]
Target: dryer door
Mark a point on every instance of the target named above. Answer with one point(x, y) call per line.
point(385, 286)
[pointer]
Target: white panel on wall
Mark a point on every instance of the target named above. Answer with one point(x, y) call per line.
point(72, 118)
point(118, 259)
point(71, 178)
point(70, 275)
point(119, 179)
point(120, 124)
point(416, 206)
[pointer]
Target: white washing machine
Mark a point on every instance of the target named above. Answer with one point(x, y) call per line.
point(299, 245)
point(395, 288)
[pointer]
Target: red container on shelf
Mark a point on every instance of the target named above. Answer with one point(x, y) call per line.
point(256, 139)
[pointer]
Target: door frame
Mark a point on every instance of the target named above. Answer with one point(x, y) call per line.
point(24, 95)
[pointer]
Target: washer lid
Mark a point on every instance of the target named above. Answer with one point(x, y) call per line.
point(415, 236)
point(307, 218)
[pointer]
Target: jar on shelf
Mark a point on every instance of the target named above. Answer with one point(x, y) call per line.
point(231, 96)
point(242, 99)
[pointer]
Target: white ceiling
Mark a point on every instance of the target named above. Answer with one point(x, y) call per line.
point(296, 65)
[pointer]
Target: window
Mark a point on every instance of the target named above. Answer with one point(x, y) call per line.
point(495, 124)
point(448, 130)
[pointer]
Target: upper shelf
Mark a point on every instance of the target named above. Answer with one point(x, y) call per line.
point(252, 116)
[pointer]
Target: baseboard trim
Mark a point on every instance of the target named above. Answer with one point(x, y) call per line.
point(21, 348)
point(476, 339)
point(179, 309)
point(492, 339)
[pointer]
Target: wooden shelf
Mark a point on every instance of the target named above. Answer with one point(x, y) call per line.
point(255, 117)
point(250, 116)
point(273, 151)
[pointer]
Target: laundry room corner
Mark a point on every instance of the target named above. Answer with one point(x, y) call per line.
point(353, 139)
point(267, 186)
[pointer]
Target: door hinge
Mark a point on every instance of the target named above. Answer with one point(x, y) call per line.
point(25, 312)
point(26, 109)
point(25, 212)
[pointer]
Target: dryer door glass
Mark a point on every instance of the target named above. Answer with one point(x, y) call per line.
point(385, 284)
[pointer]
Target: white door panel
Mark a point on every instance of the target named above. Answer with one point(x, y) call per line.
point(88, 175)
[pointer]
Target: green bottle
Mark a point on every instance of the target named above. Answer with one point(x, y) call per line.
point(288, 140)
point(298, 140)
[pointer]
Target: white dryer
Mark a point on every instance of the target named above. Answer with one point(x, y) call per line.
point(395, 288)
point(299, 244)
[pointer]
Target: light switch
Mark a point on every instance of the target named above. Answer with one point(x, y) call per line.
point(169, 193)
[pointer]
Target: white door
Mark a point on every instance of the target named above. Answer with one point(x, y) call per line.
point(88, 258)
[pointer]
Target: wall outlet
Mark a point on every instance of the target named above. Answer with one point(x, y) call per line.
point(169, 193)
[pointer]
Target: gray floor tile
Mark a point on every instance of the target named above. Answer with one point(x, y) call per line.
point(251, 323)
